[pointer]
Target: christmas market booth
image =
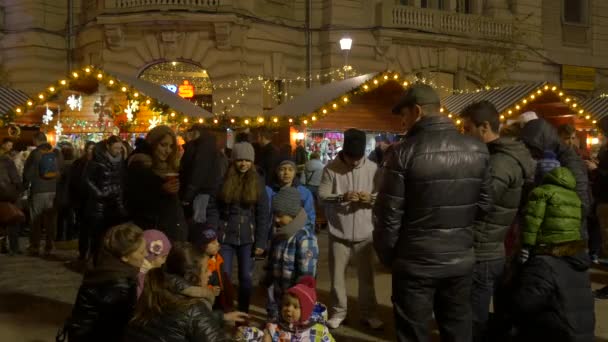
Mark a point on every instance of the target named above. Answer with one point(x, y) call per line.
point(546, 100)
point(321, 114)
point(90, 104)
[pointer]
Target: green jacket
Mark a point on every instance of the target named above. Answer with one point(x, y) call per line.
point(510, 165)
point(554, 211)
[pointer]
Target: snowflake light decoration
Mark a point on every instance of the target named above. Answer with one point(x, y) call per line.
point(155, 121)
point(132, 108)
point(58, 128)
point(48, 116)
point(74, 102)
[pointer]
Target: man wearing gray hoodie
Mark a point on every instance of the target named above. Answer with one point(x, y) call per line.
point(40, 176)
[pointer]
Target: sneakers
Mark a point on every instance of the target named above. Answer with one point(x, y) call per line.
point(334, 322)
point(373, 323)
point(601, 293)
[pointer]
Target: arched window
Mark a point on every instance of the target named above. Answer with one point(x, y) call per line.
point(187, 79)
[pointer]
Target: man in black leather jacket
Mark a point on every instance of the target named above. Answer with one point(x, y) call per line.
point(434, 183)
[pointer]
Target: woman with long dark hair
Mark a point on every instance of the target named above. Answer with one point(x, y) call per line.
point(153, 185)
point(164, 314)
point(107, 296)
point(241, 215)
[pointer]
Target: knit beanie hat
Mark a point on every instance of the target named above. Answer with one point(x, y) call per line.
point(287, 162)
point(307, 296)
point(157, 244)
point(354, 143)
point(287, 201)
point(206, 234)
point(243, 151)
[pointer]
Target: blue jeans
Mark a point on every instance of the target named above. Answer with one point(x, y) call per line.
point(486, 278)
point(245, 260)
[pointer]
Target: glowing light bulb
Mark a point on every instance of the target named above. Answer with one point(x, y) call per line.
point(517, 107)
point(63, 82)
point(441, 110)
point(201, 120)
point(231, 120)
point(136, 95)
point(554, 88)
point(345, 99)
point(365, 87)
point(305, 122)
point(314, 118)
point(100, 76)
point(186, 120)
point(87, 70)
point(123, 88)
point(75, 74)
point(335, 106)
point(148, 102)
point(450, 116)
point(29, 103)
point(290, 120)
point(385, 77)
point(215, 121)
point(41, 96)
point(405, 84)
point(18, 110)
point(574, 105)
point(324, 111)
point(275, 120)
point(375, 81)
point(111, 82)
point(588, 117)
point(396, 76)
point(52, 89)
point(172, 115)
point(458, 122)
point(502, 117)
point(260, 120)
point(246, 121)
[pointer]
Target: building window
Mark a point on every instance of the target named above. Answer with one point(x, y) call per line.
point(464, 6)
point(434, 4)
point(575, 11)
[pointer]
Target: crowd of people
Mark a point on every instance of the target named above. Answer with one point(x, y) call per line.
point(498, 214)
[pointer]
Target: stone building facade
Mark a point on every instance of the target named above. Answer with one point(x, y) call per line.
point(462, 44)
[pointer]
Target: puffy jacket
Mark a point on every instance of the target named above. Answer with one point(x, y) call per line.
point(510, 165)
point(31, 175)
point(194, 323)
point(104, 181)
point(199, 167)
point(105, 302)
point(552, 299)
point(149, 206)
point(433, 184)
point(541, 136)
point(240, 224)
point(553, 213)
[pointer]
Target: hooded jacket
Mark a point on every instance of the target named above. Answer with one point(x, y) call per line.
point(510, 165)
point(105, 302)
point(552, 299)
point(31, 175)
point(553, 214)
point(104, 181)
point(540, 136)
point(434, 184)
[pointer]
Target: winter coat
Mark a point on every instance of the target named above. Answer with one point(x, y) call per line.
point(541, 136)
point(31, 174)
point(294, 253)
point(62, 199)
point(510, 165)
point(348, 221)
point(545, 165)
point(601, 176)
point(552, 299)
point(104, 181)
point(434, 183)
point(105, 302)
point(199, 167)
point(193, 323)
point(313, 171)
point(301, 155)
point(553, 213)
point(241, 224)
point(268, 161)
point(78, 187)
point(10, 184)
point(308, 201)
point(148, 205)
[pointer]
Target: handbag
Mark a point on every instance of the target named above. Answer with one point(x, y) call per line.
point(10, 214)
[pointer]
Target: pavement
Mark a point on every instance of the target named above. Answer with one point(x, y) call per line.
point(36, 296)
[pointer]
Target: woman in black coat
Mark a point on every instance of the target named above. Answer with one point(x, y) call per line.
point(107, 296)
point(152, 185)
point(164, 314)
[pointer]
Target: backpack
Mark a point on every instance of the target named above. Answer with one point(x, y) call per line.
point(47, 167)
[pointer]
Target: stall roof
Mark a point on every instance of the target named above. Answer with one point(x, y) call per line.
point(11, 98)
point(316, 97)
point(597, 106)
point(164, 96)
point(502, 98)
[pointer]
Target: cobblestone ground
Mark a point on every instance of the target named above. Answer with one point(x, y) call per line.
point(36, 296)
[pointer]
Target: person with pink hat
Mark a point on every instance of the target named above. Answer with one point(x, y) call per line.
point(158, 247)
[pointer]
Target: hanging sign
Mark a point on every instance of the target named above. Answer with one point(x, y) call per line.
point(170, 87)
point(186, 90)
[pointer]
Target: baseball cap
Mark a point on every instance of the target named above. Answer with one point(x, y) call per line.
point(418, 94)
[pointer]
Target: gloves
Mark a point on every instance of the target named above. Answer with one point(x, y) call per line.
point(524, 255)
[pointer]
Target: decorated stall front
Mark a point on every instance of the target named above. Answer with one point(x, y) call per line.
point(91, 103)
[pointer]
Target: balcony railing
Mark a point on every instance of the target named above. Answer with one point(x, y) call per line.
point(163, 4)
point(445, 22)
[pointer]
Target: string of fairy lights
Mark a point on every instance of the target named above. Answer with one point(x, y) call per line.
point(166, 115)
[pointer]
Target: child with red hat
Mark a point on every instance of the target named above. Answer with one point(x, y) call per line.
point(301, 318)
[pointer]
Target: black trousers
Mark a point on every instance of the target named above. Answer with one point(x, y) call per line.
point(415, 299)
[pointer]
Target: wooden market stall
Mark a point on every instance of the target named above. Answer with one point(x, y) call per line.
point(91, 103)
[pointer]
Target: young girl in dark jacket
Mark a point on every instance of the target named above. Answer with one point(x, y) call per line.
point(241, 215)
point(106, 298)
point(164, 314)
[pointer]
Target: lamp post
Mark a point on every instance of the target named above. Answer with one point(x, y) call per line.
point(345, 44)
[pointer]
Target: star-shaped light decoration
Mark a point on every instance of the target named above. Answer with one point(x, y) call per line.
point(48, 116)
point(58, 128)
point(132, 108)
point(74, 102)
point(155, 121)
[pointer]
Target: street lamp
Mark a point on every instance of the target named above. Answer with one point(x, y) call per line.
point(345, 44)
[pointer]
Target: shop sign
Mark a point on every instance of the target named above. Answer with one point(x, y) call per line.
point(171, 87)
point(578, 78)
point(186, 90)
